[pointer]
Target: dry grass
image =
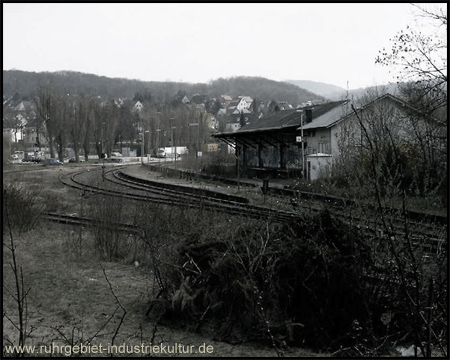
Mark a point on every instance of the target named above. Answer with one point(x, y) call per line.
point(70, 299)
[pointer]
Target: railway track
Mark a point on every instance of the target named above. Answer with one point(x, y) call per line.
point(426, 232)
point(169, 194)
point(88, 222)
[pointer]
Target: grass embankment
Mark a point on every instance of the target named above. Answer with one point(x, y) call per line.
point(73, 292)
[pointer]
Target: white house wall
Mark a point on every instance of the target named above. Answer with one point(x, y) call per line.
point(321, 136)
point(241, 105)
point(319, 166)
point(349, 135)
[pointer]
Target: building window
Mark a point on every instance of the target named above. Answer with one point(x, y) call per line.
point(324, 148)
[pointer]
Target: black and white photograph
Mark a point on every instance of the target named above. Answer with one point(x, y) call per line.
point(225, 180)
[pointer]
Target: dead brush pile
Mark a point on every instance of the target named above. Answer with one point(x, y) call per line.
point(300, 284)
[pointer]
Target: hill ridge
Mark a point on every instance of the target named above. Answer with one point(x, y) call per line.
point(25, 84)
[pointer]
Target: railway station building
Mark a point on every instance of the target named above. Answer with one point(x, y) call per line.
point(276, 146)
point(307, 142)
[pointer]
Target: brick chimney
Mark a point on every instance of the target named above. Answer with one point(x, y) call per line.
point(308, 115)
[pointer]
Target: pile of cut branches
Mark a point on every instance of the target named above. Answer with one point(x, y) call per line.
point(300, 284)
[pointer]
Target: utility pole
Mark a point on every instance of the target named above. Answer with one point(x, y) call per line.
point(236, 155)
point(149, 153)
point(199, 153)
point(143, 143)
point(303, 149)
point(159, 137)
point(159, 145)
point(142, 146)
point(101, 140)
point(198, 144)
point(174, 144)
point(102, 154)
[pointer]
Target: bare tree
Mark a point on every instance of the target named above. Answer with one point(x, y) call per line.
point(419, 57)
point(77, 127)
point(46, 111)
point(385, 147)
point(65, 117)
point(126, 121)
point(110, 116)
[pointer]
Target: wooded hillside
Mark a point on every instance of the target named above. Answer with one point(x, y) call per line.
point(23, 85)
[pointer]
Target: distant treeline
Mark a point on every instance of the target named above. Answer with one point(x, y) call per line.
point(23, 85)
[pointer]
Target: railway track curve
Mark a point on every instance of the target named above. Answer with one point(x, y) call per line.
point(116, 182)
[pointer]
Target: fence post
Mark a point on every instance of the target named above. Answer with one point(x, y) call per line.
point(265, 188)
point(430, 316)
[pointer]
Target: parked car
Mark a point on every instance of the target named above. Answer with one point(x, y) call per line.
point(35, 157)
point(54, 161)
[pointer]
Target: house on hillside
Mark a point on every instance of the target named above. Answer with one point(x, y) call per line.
point(12, 134)
point(35, 135)
point(25, 106)
point(14, 125)
point(20, 125)
point(232, 127)
point(312, 139)
point(246, 102)
point(137, 107)
point(25, 132)
point(118, 102)
point(238, 105)
point(200, 107)
point(225, 100)
point(221, 112)
point(232, 107)
point(284, 105)
point(185, 100)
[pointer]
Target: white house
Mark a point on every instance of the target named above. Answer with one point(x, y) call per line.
point(138, 106)
point(340, 128)
point(345, 129)
point(240, 104)
point(231, 127)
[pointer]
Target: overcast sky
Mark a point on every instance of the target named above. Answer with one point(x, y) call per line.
point(199, 42)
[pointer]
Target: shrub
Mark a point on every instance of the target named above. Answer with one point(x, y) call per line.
point(109, 242)
point(23, 207)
